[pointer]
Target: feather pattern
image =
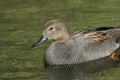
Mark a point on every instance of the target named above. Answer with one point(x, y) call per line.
point(83, 46)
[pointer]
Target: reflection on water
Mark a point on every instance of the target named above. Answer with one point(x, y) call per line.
point(83, 71)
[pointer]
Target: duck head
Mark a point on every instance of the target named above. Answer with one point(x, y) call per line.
point(54, 30)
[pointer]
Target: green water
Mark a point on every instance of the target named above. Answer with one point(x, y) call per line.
point(22, 21)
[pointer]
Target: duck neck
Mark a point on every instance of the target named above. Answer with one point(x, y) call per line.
point(63, 39)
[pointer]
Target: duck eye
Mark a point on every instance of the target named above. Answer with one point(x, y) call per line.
point(51, 28)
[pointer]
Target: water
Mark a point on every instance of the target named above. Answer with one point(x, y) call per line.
point(22, 21)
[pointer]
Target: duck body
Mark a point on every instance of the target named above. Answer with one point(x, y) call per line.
point(77, 50)
point(77, 60)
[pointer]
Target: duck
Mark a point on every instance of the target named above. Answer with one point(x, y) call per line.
point(79, 47)
point(80, 55)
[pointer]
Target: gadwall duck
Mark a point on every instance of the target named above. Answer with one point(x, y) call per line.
point(79, 47)
point(82, 54)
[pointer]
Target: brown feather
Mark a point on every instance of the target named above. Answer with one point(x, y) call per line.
point(99, 37)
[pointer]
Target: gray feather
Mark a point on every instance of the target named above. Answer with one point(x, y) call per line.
point(80, 49)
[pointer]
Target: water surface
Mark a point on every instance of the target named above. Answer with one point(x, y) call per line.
point(22, 21)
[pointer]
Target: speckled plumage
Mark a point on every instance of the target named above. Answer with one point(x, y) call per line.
point(79, 49)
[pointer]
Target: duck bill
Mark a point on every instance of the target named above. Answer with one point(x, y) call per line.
point(39, 41)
